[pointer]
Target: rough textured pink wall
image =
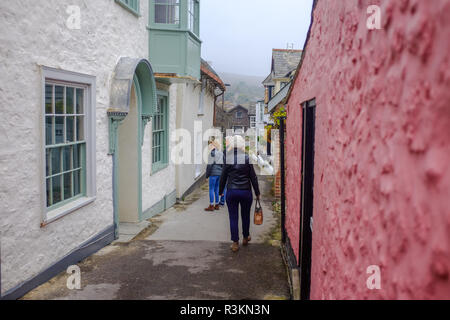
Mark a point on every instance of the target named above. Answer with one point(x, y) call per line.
point(293, 142)
point(382, 172)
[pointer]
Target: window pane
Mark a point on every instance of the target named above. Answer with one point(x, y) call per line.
point(80, 101)
point(67, 158)
point(56, 160)
point(59, 99)
point(155, 123)
point(70, 100)
point(76, 182)
point(70, 135)
point(167, 11)
point(67, 185)
point(76, 156)
point(59, 130)
point(56, 189)
point(48, 162)
point(173, 14)
point(160, 13)
point(48, 131)
point(48, 98)
point(80, 128)
point(49, 186)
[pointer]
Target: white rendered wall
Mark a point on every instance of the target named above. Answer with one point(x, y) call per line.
point(34, 33)
point(160, 184)
point(187, 114)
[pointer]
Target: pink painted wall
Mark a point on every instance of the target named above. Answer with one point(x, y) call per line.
point(382, 157)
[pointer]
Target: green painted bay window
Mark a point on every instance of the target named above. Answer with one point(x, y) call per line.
point(160, 131)
point(174, 43)
point(131, 5)
point(178, 14)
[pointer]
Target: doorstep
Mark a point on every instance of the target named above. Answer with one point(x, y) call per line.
point(128, 231)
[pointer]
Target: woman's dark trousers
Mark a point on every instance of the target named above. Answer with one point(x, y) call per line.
point(244, 198)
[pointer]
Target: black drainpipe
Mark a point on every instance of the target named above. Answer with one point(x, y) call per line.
point(282, 174)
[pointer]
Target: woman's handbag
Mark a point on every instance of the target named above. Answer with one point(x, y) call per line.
point(258, 218)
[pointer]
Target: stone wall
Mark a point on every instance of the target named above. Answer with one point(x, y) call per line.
point(35, 35)
point(382, 175)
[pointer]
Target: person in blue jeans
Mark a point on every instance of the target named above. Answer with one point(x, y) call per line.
point(213, 173)
point(223, 197)
point(239, 176)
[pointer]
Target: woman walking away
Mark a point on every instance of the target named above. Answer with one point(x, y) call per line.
point(213, 173)
point(239, 176)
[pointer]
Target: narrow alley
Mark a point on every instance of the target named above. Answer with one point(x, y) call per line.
point(184, 254)
point(127, 123)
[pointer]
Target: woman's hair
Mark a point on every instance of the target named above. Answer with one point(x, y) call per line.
point(215, 143)
point(235, 142)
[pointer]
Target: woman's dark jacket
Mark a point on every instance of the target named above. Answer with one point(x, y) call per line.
point(215, 164)
point(238, 173)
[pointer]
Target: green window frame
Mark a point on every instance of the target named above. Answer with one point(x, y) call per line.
point(131, 5)
point(166, 12)
point(65, 143)
point(160, 133)
point(193, 16)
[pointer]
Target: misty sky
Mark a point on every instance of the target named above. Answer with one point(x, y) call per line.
point(238, 35)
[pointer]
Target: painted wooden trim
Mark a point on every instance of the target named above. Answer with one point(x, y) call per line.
point(135, 10)
point(83, 251)
point(159, 166)
point(138, 92)
point(90, 189)
point(73, 205)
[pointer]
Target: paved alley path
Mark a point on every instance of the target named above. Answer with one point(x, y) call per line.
point(184, 254)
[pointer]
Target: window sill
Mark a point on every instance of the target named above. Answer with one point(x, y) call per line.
point(57, 214)
point(177, 28)
point(159, 167)
point(131, 10)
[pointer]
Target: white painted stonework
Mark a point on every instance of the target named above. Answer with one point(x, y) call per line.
point(160, 184)
point(187, 115)
point(30, 40)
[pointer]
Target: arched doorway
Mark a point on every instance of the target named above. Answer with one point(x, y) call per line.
point(133, 101)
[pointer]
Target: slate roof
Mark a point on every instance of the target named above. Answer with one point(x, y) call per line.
point(268, 81)
point(237, 107)
point(284, 61)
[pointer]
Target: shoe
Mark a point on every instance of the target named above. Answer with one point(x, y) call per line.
point(210, 208)
point(246, 241)
point(222, 204)
point(235, 247)
point(216, 207)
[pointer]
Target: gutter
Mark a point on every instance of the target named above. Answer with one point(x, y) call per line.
point(279, 97)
